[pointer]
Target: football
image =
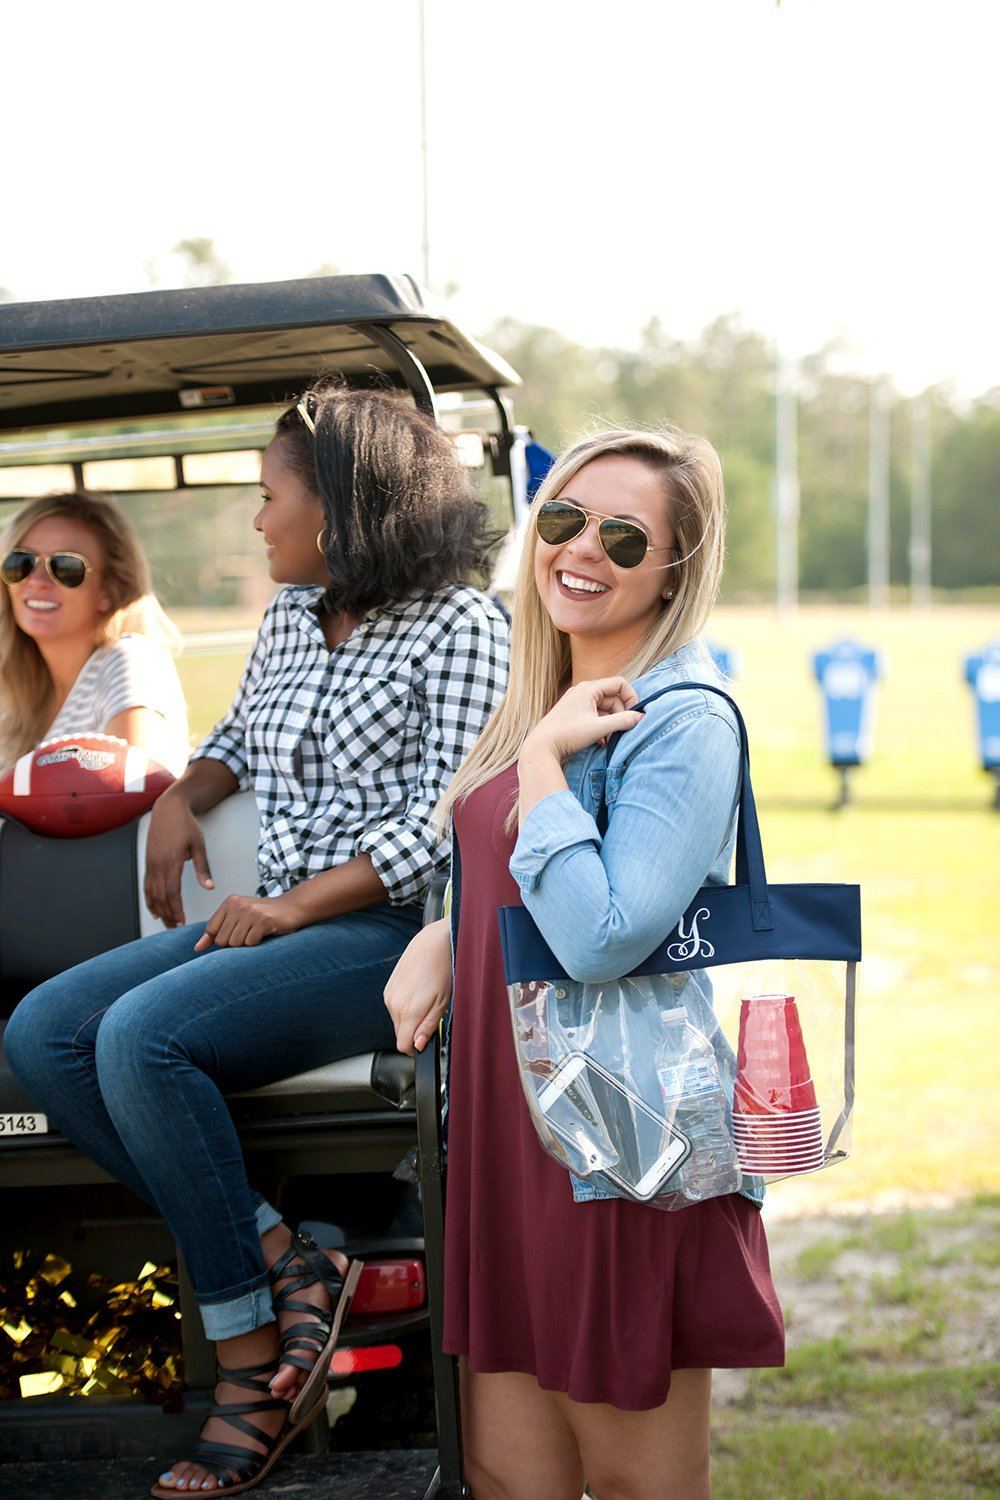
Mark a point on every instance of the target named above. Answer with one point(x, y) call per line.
point(85, 784)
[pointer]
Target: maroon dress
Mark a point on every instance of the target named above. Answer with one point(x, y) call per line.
point(601, 1299)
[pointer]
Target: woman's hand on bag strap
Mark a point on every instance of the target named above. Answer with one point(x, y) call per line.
point(586, 714)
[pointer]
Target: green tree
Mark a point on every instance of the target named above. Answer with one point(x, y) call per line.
point(722, 384)
point(966, 489)
point(567, 387)
point(205, 266)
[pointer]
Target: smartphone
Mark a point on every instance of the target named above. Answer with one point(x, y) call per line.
point(629, 1142)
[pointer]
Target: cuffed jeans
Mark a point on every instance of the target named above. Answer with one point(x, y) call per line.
point(129, 1054)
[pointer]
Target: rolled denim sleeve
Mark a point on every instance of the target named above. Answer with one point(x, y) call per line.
point(555, 823)
point(603, 905)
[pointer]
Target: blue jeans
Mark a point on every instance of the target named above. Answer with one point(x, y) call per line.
point(129, 1054)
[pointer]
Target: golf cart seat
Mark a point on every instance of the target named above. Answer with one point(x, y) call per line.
point(65, 900)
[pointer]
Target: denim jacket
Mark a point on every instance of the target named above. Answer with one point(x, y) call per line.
point(603, 905)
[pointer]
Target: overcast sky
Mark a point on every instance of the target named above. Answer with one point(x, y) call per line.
point(827, 169)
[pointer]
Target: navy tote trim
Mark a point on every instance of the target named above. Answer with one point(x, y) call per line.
point(809, 921)
point(724, 924)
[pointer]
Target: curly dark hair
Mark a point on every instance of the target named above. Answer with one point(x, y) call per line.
point(402, 513)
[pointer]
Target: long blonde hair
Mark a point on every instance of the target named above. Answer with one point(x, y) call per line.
point(540, 654)
point(25, 683)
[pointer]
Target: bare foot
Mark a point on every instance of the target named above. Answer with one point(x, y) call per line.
point(257, 1348)
point(290, 1378)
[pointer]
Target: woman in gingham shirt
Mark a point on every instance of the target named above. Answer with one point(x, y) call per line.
point(374, 671)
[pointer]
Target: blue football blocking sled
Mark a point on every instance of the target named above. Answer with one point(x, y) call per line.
point(848, 673)
point(982, 673)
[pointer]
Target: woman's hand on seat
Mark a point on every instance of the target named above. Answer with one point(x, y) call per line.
point(174, 838)
point(245, 921)
point(419, 987)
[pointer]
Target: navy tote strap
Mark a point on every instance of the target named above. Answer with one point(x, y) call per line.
point(749, 850)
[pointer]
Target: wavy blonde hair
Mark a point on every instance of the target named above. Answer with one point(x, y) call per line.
point(25, 683)
point(540, 654)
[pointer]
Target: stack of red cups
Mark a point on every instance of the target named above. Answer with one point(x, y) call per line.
point(776, 1119)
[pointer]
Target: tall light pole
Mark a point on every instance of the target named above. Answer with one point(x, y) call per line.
point(878, 497)
point(786, 446)
point(786, 485)
point(425, 242)
point(920, 504)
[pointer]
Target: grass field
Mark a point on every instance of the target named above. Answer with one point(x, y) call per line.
point(887, 1265)
point(891, 1382)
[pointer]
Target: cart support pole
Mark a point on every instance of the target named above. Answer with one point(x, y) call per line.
point(416, 377)
point(449, 1482)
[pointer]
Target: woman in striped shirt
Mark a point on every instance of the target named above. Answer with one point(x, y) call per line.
point(85, 646)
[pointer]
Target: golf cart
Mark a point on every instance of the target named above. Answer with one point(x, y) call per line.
point(165, 399)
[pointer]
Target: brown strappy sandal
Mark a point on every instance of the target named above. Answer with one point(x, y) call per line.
point(224, 1459)
point(306, 1263)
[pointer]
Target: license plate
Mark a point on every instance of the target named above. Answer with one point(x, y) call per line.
point(23, 1124)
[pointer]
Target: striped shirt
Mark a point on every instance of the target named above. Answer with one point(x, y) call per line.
point(132, 672)
point(347, 751)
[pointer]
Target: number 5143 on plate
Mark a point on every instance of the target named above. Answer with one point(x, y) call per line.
point(23, 1124)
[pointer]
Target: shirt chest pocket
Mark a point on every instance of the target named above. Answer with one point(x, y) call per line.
point(370, 724)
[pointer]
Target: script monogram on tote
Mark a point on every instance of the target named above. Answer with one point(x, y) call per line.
point(692, 944)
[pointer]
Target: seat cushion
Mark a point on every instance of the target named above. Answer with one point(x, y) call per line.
point(335, 1088)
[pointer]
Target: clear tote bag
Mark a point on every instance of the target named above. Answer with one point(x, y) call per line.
point(726, 1058)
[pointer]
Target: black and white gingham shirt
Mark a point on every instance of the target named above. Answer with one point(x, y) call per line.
point(347, 751)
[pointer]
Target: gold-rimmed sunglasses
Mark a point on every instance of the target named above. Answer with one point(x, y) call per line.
point(67, 569)
point(624, 542)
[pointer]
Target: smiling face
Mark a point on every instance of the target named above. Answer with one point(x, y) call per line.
point(45, 610)
point(585, 594)
point(290, 519)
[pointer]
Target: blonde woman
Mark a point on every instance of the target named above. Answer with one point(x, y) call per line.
point(587, 1325)
point(84, 644)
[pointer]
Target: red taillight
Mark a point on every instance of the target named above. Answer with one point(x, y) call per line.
point(389, 1286)
point(374, 1357)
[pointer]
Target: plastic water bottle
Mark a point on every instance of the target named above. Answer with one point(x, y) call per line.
point(694, 1101)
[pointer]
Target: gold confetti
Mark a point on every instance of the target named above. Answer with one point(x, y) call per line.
point(54, 1269)
point(72, 1343)
point(84, 1334)
point(109, 1382)
point(41, 1384)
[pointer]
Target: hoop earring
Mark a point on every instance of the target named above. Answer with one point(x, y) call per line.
point(321, 541)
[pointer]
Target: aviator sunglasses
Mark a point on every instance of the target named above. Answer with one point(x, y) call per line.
point(625, 543)
point(67, 569)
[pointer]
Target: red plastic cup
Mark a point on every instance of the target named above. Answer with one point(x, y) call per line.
point(773, 1171)
point(772, 1070)
point(785, 1127)
point(746, 1149)
point(776, 1120)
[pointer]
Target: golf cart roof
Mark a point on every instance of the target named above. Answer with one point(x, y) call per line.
point(165, 352)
